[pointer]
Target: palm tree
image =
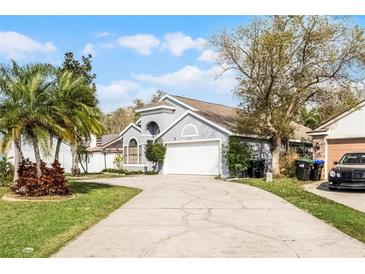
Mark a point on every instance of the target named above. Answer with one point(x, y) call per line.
point(77, 112)
point(25, 109)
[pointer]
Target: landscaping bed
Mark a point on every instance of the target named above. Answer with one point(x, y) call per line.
point(38, 229)
point(346, 219)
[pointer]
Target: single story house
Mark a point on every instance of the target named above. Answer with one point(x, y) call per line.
point(97, 158)
point(341, 134)
point(195, 133)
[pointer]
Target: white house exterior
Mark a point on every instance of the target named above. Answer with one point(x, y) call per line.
point(195, 133)
point(98, 159)
point(344, 133)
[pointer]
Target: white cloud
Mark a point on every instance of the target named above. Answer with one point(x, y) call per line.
point(177, 43)
point(187, 81)
point(17, 46)
point(121, 93)
point(89, 49)
point(191, 78)
point(102, 34)
point(142, 43)
point(209, 56)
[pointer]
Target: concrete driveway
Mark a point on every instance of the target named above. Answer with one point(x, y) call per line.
point(197, 216)
point(351, 198)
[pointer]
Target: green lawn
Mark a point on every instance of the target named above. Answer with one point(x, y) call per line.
point(348, 220)
point(47, 226)
point(91, 176)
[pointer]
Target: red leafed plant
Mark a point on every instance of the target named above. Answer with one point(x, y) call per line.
point(51, 182)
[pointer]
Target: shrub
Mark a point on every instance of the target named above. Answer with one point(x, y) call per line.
point(287, 164)
point(155, 153)
point(6, 172)
point(118, 161)
point(129, 172)
point(150, 172)
point(237, 155)
point(51, 182)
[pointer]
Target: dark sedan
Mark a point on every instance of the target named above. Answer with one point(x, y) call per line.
point(348, 173)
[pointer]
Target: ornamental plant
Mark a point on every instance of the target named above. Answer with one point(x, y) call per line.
point(51, 182)
point(237, 155)
point(118, 161)
point(6, 171)
point(155, 153)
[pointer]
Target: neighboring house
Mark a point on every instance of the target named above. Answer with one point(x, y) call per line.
point(97, 158)
point(195, 133)
point(343, 133)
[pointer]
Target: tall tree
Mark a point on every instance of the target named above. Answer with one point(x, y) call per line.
point(79, 103)
point(286, 62)
point(25, 109)
point(21, 86)
point(77, 112)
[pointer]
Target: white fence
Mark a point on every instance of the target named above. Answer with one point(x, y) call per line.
point(96, 163)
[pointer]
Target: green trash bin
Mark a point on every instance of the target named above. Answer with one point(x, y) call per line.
point(303, 169)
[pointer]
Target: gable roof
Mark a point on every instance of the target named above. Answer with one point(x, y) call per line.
point(323, 127)
point(227, 117)
point(157, 105)
point(224, 116)
point(195, 114)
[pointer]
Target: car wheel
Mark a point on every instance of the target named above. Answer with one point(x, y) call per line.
point(331, 188)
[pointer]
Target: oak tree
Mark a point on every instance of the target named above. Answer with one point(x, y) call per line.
point(286, 62)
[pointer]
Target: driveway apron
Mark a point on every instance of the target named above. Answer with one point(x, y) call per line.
point(198, 216)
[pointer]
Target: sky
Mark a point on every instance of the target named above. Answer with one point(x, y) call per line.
point(133, 56)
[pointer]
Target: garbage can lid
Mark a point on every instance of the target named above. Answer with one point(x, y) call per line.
point(303, 160)
point(321, 162)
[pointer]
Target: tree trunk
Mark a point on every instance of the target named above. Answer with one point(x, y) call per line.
point(75, 171)
point(17, 157)
point(275, 151)
point(57, 152)
point(37, 155)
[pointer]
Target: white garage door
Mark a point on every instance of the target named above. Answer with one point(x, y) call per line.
point(200, 158)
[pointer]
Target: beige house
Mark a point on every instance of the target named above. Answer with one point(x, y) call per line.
point(343, 133)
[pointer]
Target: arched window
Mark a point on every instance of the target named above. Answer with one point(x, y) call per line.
point(133, 152)
point(189, 130)
point(153, 128)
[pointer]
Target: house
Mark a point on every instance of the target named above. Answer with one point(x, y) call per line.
point(341, 134)
point(97, 158)
point(195, 133)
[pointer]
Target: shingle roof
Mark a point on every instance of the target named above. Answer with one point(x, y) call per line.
point(227, 116)
point(222, 115)
point(101, 141)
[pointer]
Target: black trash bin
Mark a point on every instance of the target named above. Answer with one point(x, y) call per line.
point(256, 168)
point(316, 171)
point(303, 169)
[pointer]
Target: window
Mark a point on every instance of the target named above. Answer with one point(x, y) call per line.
point(132, 152)
point(189, 130)
point(140, 154)
point(153, 128)
point(125, 155)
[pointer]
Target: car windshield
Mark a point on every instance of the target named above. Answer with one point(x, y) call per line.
point(353, 159)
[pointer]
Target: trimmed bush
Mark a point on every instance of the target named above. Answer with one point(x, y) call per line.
point(51, 182)
point(129, 172)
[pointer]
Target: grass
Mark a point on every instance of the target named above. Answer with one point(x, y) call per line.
point(100, 175)
point(346, 219)
point(47, 226)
